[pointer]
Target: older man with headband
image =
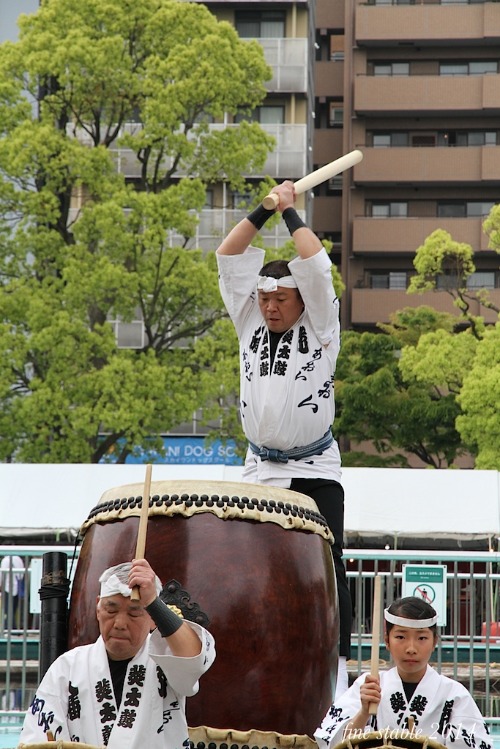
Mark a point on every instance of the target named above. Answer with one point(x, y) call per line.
point(286, 316)
point(128, 689)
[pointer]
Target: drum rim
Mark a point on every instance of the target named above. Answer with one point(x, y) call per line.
point(289, 509)
point(252, 738)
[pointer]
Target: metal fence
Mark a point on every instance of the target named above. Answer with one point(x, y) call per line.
point(468, 649)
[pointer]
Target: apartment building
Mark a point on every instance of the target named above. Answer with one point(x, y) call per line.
point(417, 89)
point(286, 32)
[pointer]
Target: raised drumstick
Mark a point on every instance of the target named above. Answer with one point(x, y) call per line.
point(375, 635)
point(140, 547)
point(317, 177)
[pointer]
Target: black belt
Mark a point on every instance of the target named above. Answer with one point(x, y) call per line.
point(283, 456)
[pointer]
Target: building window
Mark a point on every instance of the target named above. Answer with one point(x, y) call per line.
point(395, 280)
point(477, 280)
point(479, 207)
point(336, 115)
point(390, 140)
point(479, 67)
point(391, 68)
point(129, 334)
point(337, 47)
point(389, 209)
point(481, 280)
point(264, 24)
point(468, 138)
point(464, 208)
point(452, 209)
point(269, 114)
point(447, 281)
point(334, 184)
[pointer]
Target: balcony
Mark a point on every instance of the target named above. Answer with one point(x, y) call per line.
point(287, 161)
point(289, 59)
point(429, 166)
point(329, 78)
point(405, 235)
point(427, 24)
point(327, 144)
point(327, 213)
point(370, 306)
point(213, 226)
point(427, 95)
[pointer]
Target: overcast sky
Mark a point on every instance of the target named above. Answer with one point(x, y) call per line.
point(9, 12)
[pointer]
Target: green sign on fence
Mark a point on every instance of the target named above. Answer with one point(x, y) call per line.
point(428, 582)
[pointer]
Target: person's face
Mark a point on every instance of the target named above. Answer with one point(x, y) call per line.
point(411, 650)
point(281, 308)
point(123, 624)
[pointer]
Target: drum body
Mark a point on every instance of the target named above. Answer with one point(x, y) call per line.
point(257, 561)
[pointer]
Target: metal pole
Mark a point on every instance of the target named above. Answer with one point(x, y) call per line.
point(53, 593)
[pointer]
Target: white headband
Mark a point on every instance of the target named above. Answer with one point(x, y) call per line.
point(111, 585)
point(267, 283)
point(413, 623)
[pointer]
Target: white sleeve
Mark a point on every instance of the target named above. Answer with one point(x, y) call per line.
point(183, 673)
point(47, 712)
point(331, 731)
point(467, 725)
point(314, 280)
point(238, 282)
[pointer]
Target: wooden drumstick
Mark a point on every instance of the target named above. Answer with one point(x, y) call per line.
point(377, 595)
point(317, 177)
point(143, 527)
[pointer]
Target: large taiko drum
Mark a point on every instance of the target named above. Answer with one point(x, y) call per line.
point(390, 738)
point(256, 562)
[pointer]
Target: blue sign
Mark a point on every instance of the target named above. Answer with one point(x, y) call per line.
point(186, 450)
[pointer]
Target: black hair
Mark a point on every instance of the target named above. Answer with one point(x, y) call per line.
point(411, 607)
point(275, 269)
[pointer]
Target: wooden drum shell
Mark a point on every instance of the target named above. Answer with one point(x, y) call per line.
point(267, 587)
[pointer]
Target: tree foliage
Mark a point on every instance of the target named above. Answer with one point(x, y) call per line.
point(383, 398)
point(89, 87)
point(442, 257)
point(479, 422)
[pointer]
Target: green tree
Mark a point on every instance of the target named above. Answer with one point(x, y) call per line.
point(382, 400)
point(479, 422)
point(441, 256)
point(87, 87)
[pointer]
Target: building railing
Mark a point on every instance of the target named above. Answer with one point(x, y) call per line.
point(289, 59)
point(468, 648)
point(288, 160)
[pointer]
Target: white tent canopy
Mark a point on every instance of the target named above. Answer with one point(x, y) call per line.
point(392, 503)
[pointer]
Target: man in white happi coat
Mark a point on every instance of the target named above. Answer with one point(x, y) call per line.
point(413, 701)
point(128, 689)
point(286, 316)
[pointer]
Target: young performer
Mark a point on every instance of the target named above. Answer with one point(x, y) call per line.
point(412, 697)
point(129, 688)
point(286, 317)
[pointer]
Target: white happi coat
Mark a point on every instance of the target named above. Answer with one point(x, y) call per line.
point(75, 700)
point(442, 709)
point(292, 404)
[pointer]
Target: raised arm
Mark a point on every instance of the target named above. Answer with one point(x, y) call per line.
point(306, 242)
point(182, 639)
point(242, 234)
